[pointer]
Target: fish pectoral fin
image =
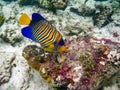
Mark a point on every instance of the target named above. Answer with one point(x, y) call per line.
point(24, 19)
point(49, 48)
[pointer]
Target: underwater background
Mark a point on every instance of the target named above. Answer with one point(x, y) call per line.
point(91, 32)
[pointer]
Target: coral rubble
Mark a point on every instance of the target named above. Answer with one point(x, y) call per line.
point(86, 65)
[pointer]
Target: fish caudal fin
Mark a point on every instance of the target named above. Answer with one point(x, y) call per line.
point(24, 19)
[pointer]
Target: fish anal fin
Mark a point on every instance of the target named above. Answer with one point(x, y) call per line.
point(26, 31)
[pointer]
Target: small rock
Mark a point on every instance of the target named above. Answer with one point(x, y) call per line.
point(103, 16)
point(82, 7)
point(34, 53)
point(10, 35)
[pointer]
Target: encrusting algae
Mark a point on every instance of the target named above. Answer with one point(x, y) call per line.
point(85, 65)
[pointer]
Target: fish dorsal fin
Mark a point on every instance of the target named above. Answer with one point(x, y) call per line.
point(26, 31)
point(37, 17)
point(24, 19)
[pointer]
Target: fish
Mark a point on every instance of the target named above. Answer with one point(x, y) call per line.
point(41, 31)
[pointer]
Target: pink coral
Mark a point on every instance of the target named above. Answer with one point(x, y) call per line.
point(86, 61)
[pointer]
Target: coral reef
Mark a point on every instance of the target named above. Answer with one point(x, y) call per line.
point(83, 8)
point(10, 30)
point(101, 0)
point(87, 64)
point(26, 2)
point(75, 29)
point(46, 4)
point(1, 19)
point(53, 4)
point(102, 16)
point(106, 13)
point(33, 51)
point(1, 16)
point(10, 37)
point(83, 11)
point(15, 74)
point(9, 0)
point(6, 60)
point(61, 4)
point(115, 5)
point(103, 13)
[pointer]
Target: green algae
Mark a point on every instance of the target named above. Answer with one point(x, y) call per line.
point(86, 74)
point(57, 67)
point(1, 19)
point(85, 57)
point(87, 61)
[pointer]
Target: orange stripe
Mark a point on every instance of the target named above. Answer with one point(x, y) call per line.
point(55, 38)
point(45, 33)
point(43, 28)
point(40, 25)
point(50, 36)
point(36, 28)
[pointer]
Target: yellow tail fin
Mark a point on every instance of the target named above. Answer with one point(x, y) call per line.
point(24, 19)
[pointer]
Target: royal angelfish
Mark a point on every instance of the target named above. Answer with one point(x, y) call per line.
point(41, 31)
